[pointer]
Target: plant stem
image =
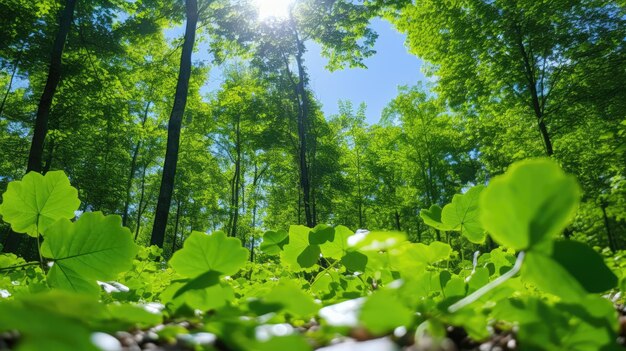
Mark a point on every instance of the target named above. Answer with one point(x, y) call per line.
point(491, 285)
point(18, 266)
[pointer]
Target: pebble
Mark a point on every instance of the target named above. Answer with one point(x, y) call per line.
point(106, 342)
point(382, 344)
point(149, 346)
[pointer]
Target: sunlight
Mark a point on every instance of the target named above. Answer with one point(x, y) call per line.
point(276, 9)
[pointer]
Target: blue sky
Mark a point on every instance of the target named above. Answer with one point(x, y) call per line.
point(390, 67)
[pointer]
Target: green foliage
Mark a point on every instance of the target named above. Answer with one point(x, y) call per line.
point(382, 312)
point(202, 253)
point(530, 204)
point(374, 280)
point(33, 204)
point(432, 217)
point(274, 241)
point(95, 247)
point(462, 214)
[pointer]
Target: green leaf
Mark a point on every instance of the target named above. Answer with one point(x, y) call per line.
point(209, 252)
point(299, 254)
point(273, 241)
point(202, 297)
point(292, 299)
point(202, 281)
point(572, 326)
point(548, 275)
point(462, 214)
point(95, 247)
point(572, 267)
point(354, 261)
point(530, 204)
point(411, 258)
point(383, 312)
point(36, 202)
point(432, 217)
point(584, 264)
point(433, 253)
point(127, 316)
point(338, 247)
point(321, 234)
point(43, 328)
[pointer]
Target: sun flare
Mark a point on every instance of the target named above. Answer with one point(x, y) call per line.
point(276, 9)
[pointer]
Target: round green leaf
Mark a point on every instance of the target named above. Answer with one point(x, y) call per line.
point(354, 261)
point(34, 203)
point(205, 252)
point(292, 299)
point(548, 275)
point(339, 245)
point(383, 312)
point(530, 204)
point(585, 265)
point(273, 241)
point(299, 254)
point(432, 217)
point(95, 247)
point(462, 214)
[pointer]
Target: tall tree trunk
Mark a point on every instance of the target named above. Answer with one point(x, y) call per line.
point(359, 190)
point(176, 223)
point(255, 180)
point(397, 218)
point(133, 168)
point(607, 226)
point(54, 77)
point(141, 197)
point(235, 183)
point(303, 116)
point(531, 83)
point(174, 126)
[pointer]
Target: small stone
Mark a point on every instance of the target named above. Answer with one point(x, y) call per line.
point(105, 342)
point(511, 344)
point(149, 346)
point(125, 338)
point(360, 334)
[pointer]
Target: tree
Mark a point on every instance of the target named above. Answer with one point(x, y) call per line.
point(174, 126)
point(512, 54)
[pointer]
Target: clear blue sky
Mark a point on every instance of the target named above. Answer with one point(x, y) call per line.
point(377, 85)
point(389, 68)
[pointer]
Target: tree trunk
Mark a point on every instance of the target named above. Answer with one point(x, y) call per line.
point(397, 218)
point(607, 226)
point(303, 111)
point(176, 226)
point(174, 126)
point(133, 169)
point(54, 77)
point(254, 209)
point(531, 83)
point(141, 197)
point(235, 183)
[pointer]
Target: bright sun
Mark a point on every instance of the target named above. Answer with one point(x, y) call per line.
point(272, 8)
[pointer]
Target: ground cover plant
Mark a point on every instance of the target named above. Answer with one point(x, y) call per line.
point(312, 174)
point(323, 287)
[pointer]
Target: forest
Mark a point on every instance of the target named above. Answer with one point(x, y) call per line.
point(141, 209)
